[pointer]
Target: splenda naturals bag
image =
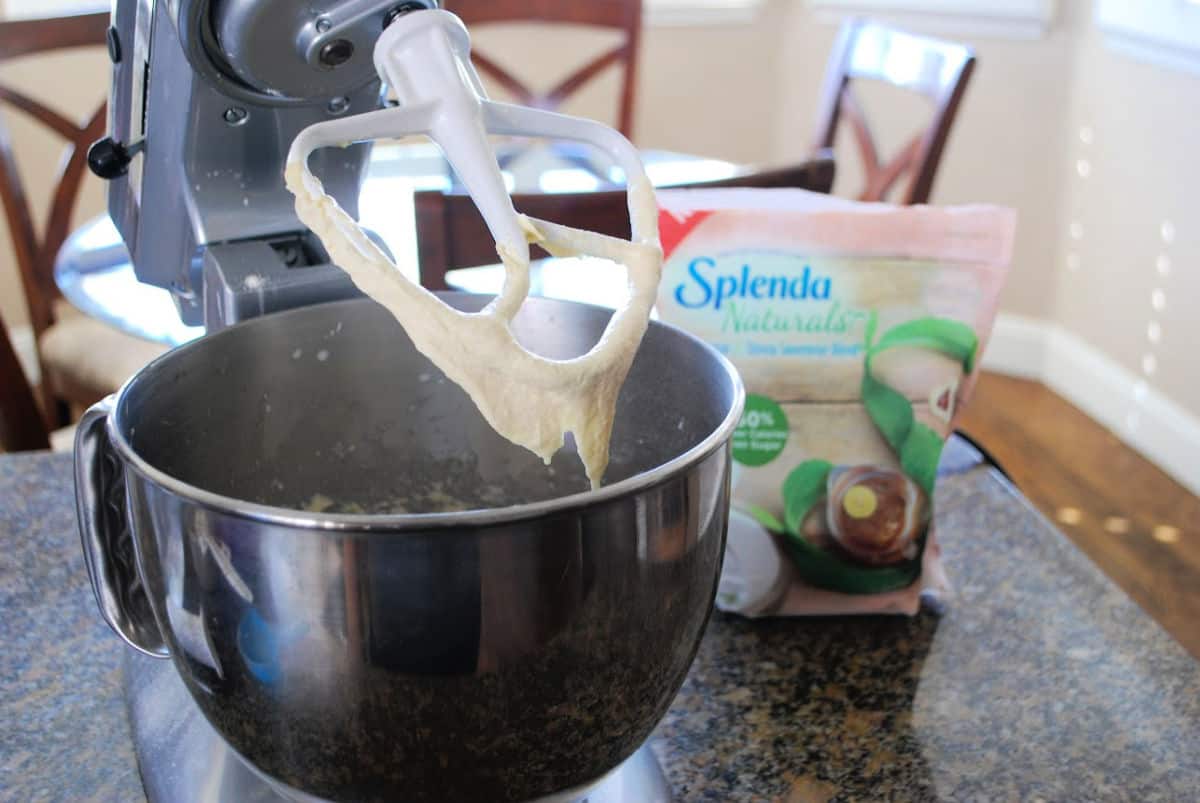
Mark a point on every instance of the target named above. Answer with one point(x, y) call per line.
point(857, 329)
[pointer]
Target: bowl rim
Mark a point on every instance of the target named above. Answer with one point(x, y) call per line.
point(399, 522)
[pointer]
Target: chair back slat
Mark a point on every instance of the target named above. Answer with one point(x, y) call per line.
point(451, 233)
point(620, 15)
point(932, 68)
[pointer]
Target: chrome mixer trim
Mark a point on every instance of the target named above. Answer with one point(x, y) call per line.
point(193, 19)
point(108, 544)
point(339, 23)
point(196, 22)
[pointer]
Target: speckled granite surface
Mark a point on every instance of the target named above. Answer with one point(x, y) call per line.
point(64, 735)
point(1040, 681)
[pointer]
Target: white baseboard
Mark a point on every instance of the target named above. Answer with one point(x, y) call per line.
point(1141, 416)
point(1017, 347)
point(26, 348)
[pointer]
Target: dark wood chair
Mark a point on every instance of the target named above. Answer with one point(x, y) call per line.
point(21, 424)
point(622, 15)
point(81, 359)
point(933, 68)
point(451, 233)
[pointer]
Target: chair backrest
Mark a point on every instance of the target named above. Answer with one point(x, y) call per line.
point(35, 255)
point(451, 233)
point(622, 15)
point(21, 424)
point(933, 68)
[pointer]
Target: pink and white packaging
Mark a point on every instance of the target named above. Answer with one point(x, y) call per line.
point(857, 329)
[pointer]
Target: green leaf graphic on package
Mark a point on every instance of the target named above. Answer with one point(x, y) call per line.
point(861, 529)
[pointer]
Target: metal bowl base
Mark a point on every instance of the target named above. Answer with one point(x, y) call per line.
point(183, 760)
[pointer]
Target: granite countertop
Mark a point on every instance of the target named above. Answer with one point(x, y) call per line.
point(1040, 679)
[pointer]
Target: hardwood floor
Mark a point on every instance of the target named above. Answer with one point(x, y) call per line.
point(1139, 525)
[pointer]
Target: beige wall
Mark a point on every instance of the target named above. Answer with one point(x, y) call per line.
point(703, 89)
point(1143, 169)
point(1006, 146)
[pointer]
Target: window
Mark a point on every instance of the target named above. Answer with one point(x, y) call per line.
point(700, 12)
point(1008, 19)
point(1164, 32)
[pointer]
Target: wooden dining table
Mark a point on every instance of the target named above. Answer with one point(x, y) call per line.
point(94, 273)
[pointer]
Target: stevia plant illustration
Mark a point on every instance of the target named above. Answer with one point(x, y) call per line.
point(869, 536)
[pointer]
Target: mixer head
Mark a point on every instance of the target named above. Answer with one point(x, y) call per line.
point(207, 97)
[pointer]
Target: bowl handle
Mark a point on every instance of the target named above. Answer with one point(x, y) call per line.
point(107, 538)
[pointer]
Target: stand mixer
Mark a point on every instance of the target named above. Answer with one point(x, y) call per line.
point(208, 98)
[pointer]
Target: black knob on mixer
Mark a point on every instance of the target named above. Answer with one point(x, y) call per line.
point(108, 159)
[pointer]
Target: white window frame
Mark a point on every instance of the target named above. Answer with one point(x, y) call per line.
point(1162, 32)
point(1001, 19)
point(668, 13)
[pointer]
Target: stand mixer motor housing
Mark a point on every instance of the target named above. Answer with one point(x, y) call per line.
point(207, 97)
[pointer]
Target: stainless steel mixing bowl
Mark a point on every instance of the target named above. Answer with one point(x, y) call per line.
point(516, 650)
